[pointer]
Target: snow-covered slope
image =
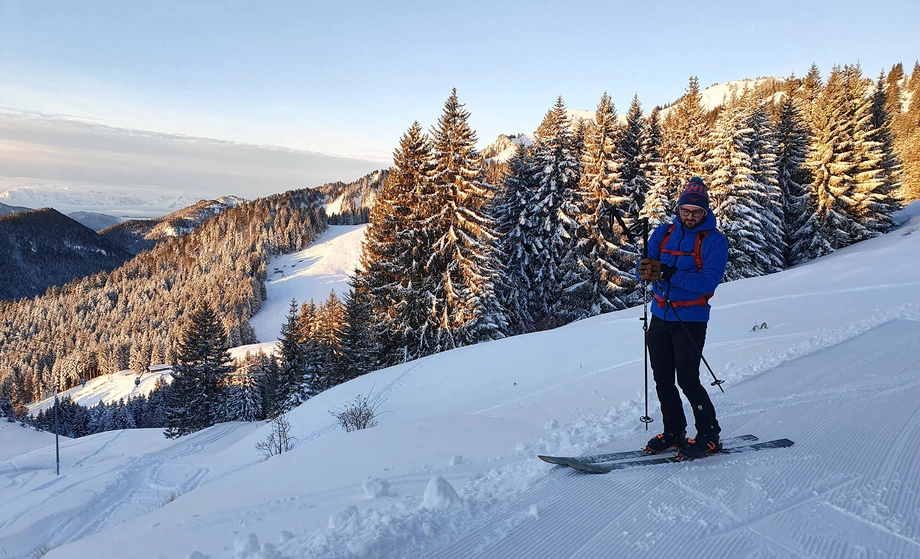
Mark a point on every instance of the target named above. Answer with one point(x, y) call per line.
point(451, 471)
point(311, 273)
point(107, 388)
point(503, 148)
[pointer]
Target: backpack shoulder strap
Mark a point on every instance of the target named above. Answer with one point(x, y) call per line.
point(698, 249)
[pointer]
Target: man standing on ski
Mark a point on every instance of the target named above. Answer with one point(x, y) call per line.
point(686, 261)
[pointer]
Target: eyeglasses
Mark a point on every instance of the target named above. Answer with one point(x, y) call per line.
point(694, 213)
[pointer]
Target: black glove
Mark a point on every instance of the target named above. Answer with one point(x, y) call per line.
point(667, 272)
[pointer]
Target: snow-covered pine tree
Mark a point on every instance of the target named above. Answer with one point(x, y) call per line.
point(684, 139)
point(464, 309)
point(271, 406)
point(844, 166)
point(596, 280)
point(292, 353)
point(892, 88)
point(634, 157)
point(658, 206)
point(315, 379)
point(330, 318)
point(358, 342)
point(763, 150)
point(808, 93)
point(199, 374)
point(792, 176)
point(737, 198)
point(513, 230)
point(396, 249)
point(873, 191)
point(552, 212)
point(881, 122)
point(245, 394)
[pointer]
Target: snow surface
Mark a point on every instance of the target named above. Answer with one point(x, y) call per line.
point(106, 388)
point(311, 273)
point(836, 370)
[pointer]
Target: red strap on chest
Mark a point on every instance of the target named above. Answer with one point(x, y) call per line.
point(697, 255)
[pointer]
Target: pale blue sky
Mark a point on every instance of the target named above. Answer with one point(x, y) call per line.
point(349, 77)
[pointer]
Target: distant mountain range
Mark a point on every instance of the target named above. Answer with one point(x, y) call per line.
point(93, 220)
point(136, 235)
point(68, 198)
point(10, 210)
point(44, 248)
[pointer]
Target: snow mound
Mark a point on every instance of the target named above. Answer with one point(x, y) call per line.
point(440, 495)
point(375, 487)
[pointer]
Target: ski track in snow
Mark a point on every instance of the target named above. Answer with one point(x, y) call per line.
point(724, 501)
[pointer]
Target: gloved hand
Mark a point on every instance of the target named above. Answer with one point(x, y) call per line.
point(653, 270)
point(649, 270)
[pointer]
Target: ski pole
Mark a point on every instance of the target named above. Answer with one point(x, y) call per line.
point(645, 418)
point(640, 225)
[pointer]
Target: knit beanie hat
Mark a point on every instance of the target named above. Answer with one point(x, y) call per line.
point(695, 194)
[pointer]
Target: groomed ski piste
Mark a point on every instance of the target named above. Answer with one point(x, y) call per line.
point(452, 471)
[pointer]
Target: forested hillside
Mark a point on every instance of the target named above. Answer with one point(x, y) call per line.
point(42, 248)
point(132, 315)
point(136, 235)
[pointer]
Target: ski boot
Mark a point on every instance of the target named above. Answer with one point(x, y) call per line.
point(702, 445)
point(665, 441)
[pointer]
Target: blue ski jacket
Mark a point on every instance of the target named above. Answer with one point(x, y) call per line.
point(689, 285)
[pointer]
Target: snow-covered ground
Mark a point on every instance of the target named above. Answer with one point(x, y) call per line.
point(451, 470)
point(107, 388)
point(311, 273)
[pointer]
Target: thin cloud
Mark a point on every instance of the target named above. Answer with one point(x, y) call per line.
point(40, 149)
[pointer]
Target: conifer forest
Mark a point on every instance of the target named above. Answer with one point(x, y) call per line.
point(462, 249)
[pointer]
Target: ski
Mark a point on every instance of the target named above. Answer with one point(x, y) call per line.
point(627, 454)
point(602, 468)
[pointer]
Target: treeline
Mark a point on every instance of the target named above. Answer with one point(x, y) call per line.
point(796, 168)
point(131, 317)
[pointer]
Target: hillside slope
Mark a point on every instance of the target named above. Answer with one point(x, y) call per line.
point(451, 471)
point(43, 248)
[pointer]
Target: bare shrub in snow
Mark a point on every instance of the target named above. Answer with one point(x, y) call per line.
point(279, 438)
point(359, 414)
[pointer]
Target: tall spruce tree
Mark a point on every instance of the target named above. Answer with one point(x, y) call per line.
point(684, 139)
point(873, 186)
point(596, 280)
point(846, 168)
point(245, 394)
point(330, 321)
point(513, 227)
point(358, 340)
point(293, 356)
point(464, 309)
point(740, 194)
point(199, 374)
point(659, 202)
point(792, 139)
point(552, 211)
point(396, 249)
point(763, 152)
point(633, 152)
point(880, 123)
point(809, 92)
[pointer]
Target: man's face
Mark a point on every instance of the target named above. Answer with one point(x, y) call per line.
point(691, 216)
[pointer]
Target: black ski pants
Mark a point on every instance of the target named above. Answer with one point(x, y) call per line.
point(670, 351)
